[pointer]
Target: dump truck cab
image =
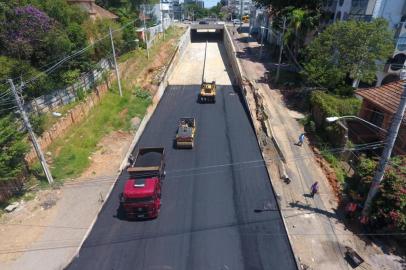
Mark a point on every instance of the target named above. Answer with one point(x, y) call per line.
point(141, 197)
point(208, 92)
point(186, 133)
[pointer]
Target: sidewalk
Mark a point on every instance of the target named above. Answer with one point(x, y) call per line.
point(317, 236)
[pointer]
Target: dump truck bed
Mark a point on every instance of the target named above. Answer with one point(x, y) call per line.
point(149, 161)
point(148, 157)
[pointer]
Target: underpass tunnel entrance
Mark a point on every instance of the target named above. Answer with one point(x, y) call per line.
point(203, 35)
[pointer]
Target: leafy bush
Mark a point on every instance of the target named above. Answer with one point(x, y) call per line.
point(71, 76)
point(345, 90)
point(13, 148)
point(388, 211)
point(331, 105)
point(141, 93)
point(38, 123)
point(81, 94)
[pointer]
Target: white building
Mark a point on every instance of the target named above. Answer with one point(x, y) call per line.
point(199, 3)
point(245, 5)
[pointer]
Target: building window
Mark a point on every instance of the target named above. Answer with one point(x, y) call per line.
point(338, 16)
point(377, 118)
point(359, 7)
point(401, 44)
point(341, 3)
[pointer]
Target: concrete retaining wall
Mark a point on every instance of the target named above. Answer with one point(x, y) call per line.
point(73, 116)
point(253, 100)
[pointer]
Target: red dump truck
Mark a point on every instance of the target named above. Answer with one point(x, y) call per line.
point(141, 197)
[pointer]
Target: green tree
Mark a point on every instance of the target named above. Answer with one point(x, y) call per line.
point(279, 5)
point(22, 70)
point(348, 48)
point(195, 12)
point(99, 30)
point(12, 148)
point(299, 22)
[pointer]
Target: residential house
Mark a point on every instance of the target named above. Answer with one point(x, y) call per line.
point(379, 105)
point(93, 10)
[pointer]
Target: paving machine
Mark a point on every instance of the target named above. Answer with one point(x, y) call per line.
point(207, 89)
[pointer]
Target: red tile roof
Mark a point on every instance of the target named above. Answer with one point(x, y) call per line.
point(93, 10)
point(387, 96)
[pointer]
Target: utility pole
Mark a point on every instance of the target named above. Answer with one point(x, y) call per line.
point(241, 12)
point(387, 151)
point(145, 34)
point(280, 51)
point(115, 62)
point(32, 134)
point(262, 42)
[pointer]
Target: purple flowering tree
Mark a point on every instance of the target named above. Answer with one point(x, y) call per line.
point(24, 31)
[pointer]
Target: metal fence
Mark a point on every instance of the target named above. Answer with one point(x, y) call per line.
point(70, 93)
point(152, 32)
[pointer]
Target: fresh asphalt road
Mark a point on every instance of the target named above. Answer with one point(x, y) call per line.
point(207, 220)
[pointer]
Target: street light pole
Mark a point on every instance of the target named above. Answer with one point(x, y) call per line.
point(262, 41)
point(390, 142)
point(336, 118)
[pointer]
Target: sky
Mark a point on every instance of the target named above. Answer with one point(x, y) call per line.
point(208, 3)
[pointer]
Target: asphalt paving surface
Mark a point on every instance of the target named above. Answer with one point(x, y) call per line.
point(207, 219)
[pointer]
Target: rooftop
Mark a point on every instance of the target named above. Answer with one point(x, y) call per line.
point(387, 96)
point(94, 10)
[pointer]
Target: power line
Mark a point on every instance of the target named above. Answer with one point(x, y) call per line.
point(130, 237)
point(206, 170)
point(7, 109)
point(77, 53)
